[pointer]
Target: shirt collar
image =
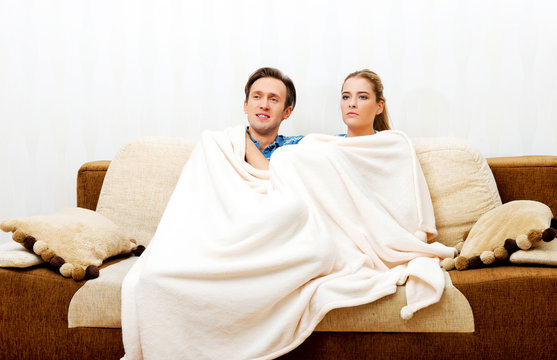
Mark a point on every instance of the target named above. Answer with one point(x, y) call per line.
point(279, 140)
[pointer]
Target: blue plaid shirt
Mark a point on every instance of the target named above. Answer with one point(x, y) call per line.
point(280, 140)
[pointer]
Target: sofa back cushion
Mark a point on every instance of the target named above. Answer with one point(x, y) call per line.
point(142, 176)
point(461, 185)
point(139, 183)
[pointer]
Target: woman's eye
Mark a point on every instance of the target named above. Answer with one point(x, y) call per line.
point(344, 97)
point(363, 97)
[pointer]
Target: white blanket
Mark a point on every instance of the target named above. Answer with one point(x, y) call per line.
point(245, 263)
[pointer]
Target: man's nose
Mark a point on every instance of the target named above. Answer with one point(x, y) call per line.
point(264, 103)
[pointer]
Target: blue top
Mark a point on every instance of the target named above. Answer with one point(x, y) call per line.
point(344, 135)
point(280, 140)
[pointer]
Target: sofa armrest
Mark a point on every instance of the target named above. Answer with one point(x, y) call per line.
point(90, 179)
point(526, 178)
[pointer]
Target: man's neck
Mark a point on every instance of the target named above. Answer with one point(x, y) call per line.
point(264, 140)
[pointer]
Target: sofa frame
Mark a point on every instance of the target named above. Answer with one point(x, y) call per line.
point(513, 305)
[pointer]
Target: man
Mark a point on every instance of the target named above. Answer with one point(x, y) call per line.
point(270, 99)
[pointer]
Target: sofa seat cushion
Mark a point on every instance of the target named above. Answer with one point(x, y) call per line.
point(451, 314)
point(97, 304)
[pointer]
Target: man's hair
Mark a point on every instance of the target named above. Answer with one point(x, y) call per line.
point(277, 74)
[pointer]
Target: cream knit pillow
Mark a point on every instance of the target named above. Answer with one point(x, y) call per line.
point(460, 182)
point(74, 241)
point(545, 254)
point(516, 226)
point(13, 255)
point(139, 182)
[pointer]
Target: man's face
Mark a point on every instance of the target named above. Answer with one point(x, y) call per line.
point(265, 106)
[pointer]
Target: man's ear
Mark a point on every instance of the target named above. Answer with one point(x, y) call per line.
point(286, 113)
point(245, 107)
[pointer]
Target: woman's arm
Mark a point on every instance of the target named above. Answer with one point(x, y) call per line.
point(254, 157)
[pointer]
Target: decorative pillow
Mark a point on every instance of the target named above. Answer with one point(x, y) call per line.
point(545, 254)
point(461, 185)
point(13, 255)
point(74, 241)
point(516, 225)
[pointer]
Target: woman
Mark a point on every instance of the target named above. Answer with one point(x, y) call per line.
point(363, 105)
point(364, 111)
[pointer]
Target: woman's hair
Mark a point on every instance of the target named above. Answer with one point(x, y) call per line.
point(277, 74)
point(381, 121)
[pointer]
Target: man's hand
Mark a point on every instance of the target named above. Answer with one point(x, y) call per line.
point(254, 156)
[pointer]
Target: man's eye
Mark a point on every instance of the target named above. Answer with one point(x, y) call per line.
point(274, 99)
point(256, 96)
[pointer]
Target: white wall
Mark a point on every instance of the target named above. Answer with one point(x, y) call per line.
point(78, 79)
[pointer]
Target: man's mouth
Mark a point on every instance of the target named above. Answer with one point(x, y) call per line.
point(263, 116)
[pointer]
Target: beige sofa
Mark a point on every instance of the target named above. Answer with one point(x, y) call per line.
point(506, 311)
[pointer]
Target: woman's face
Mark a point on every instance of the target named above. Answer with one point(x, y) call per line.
point(359, 106)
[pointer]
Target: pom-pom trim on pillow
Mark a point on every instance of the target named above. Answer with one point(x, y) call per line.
point(523, 242)
point(527, 216)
